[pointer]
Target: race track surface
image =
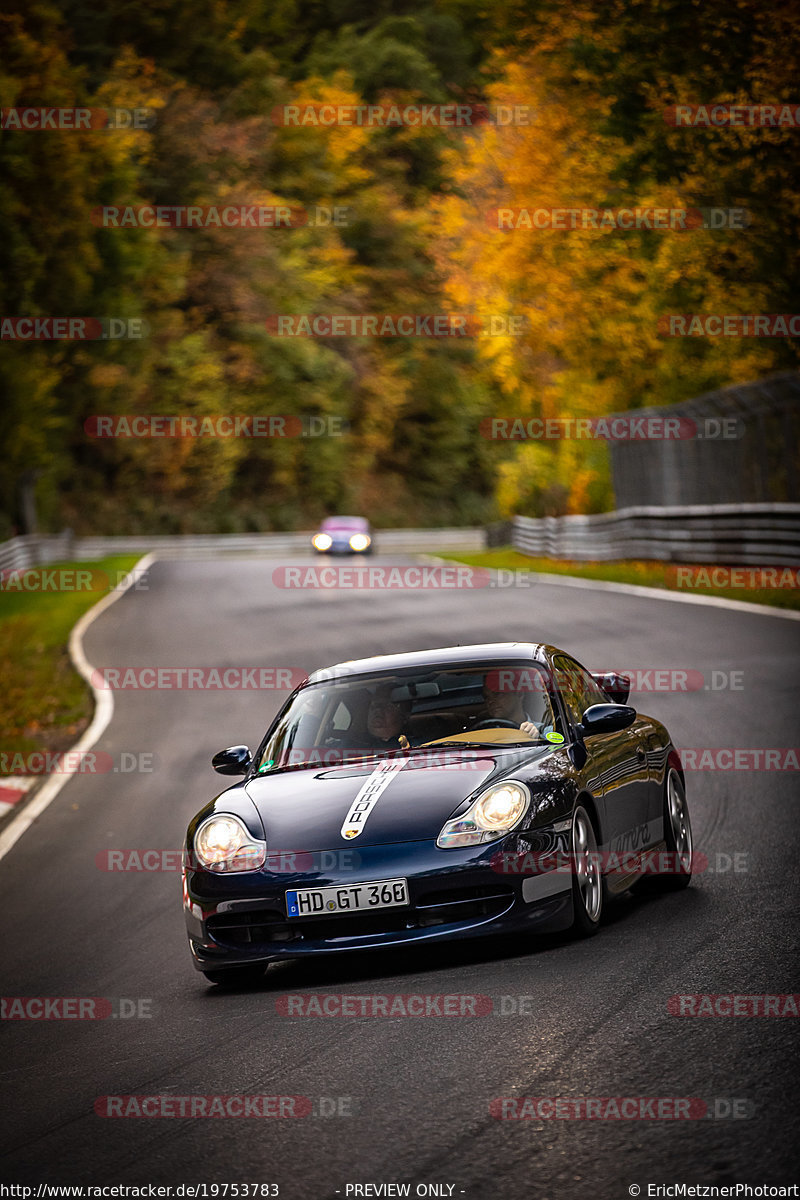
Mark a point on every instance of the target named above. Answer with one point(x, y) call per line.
point(410, 1096)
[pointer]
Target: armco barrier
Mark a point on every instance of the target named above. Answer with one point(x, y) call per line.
point(735, 534)
point(37, 550)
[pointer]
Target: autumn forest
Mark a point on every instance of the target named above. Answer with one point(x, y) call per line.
point(563, 107)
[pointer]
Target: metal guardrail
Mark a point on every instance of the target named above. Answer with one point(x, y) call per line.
point(35, 550)
point(733, 534)
point(38, 550)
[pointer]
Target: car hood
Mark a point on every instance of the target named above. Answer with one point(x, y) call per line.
point(307, 808)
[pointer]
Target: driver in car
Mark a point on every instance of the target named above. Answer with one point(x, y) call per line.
point(509, 706)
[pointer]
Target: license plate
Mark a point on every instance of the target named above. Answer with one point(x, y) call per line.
point(357, 897)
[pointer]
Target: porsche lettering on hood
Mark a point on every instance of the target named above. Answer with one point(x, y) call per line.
point(404, 799)
point(368, 797)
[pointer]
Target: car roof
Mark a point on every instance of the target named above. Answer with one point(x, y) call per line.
point(445, 656)
point(330, 522)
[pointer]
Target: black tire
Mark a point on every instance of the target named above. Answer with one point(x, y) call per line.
point(677, 835)
point(587, 880)
point(236, 976)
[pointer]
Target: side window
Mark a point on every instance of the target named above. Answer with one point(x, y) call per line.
point(577, 687)
point(565, 681)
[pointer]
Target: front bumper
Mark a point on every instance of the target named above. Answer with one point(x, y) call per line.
point(455, 894)
point(343, 548)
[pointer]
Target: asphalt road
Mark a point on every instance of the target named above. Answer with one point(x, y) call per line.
point(411, 1095)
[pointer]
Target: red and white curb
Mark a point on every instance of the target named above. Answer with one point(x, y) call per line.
point(12, 790)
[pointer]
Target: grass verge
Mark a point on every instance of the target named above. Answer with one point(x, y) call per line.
point(644, 574)
point(44, 704)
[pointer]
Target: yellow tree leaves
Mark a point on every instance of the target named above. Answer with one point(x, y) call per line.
point(592, 293)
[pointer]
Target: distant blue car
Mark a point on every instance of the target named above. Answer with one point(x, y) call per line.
point(343, 535)
point(439, 794)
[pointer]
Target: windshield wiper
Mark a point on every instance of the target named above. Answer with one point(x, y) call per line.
point(480, 745)
point(459, 745)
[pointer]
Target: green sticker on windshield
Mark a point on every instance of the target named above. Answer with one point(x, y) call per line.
point(554, 737)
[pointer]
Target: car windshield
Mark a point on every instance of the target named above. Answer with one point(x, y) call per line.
point(343, 523)
point(354, 717)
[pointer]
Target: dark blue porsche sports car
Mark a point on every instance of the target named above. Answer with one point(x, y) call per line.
point(440, 794)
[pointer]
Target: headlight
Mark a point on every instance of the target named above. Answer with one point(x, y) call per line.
point(322, 541)
point(492, 815)
point(222, 843)
point(359, 541)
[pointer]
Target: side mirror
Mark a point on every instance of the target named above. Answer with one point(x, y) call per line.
point(233, 761)
point(617, 687)
point(607, 718)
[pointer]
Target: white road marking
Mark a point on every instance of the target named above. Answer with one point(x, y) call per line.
point(635, 589)
point(103, 712)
